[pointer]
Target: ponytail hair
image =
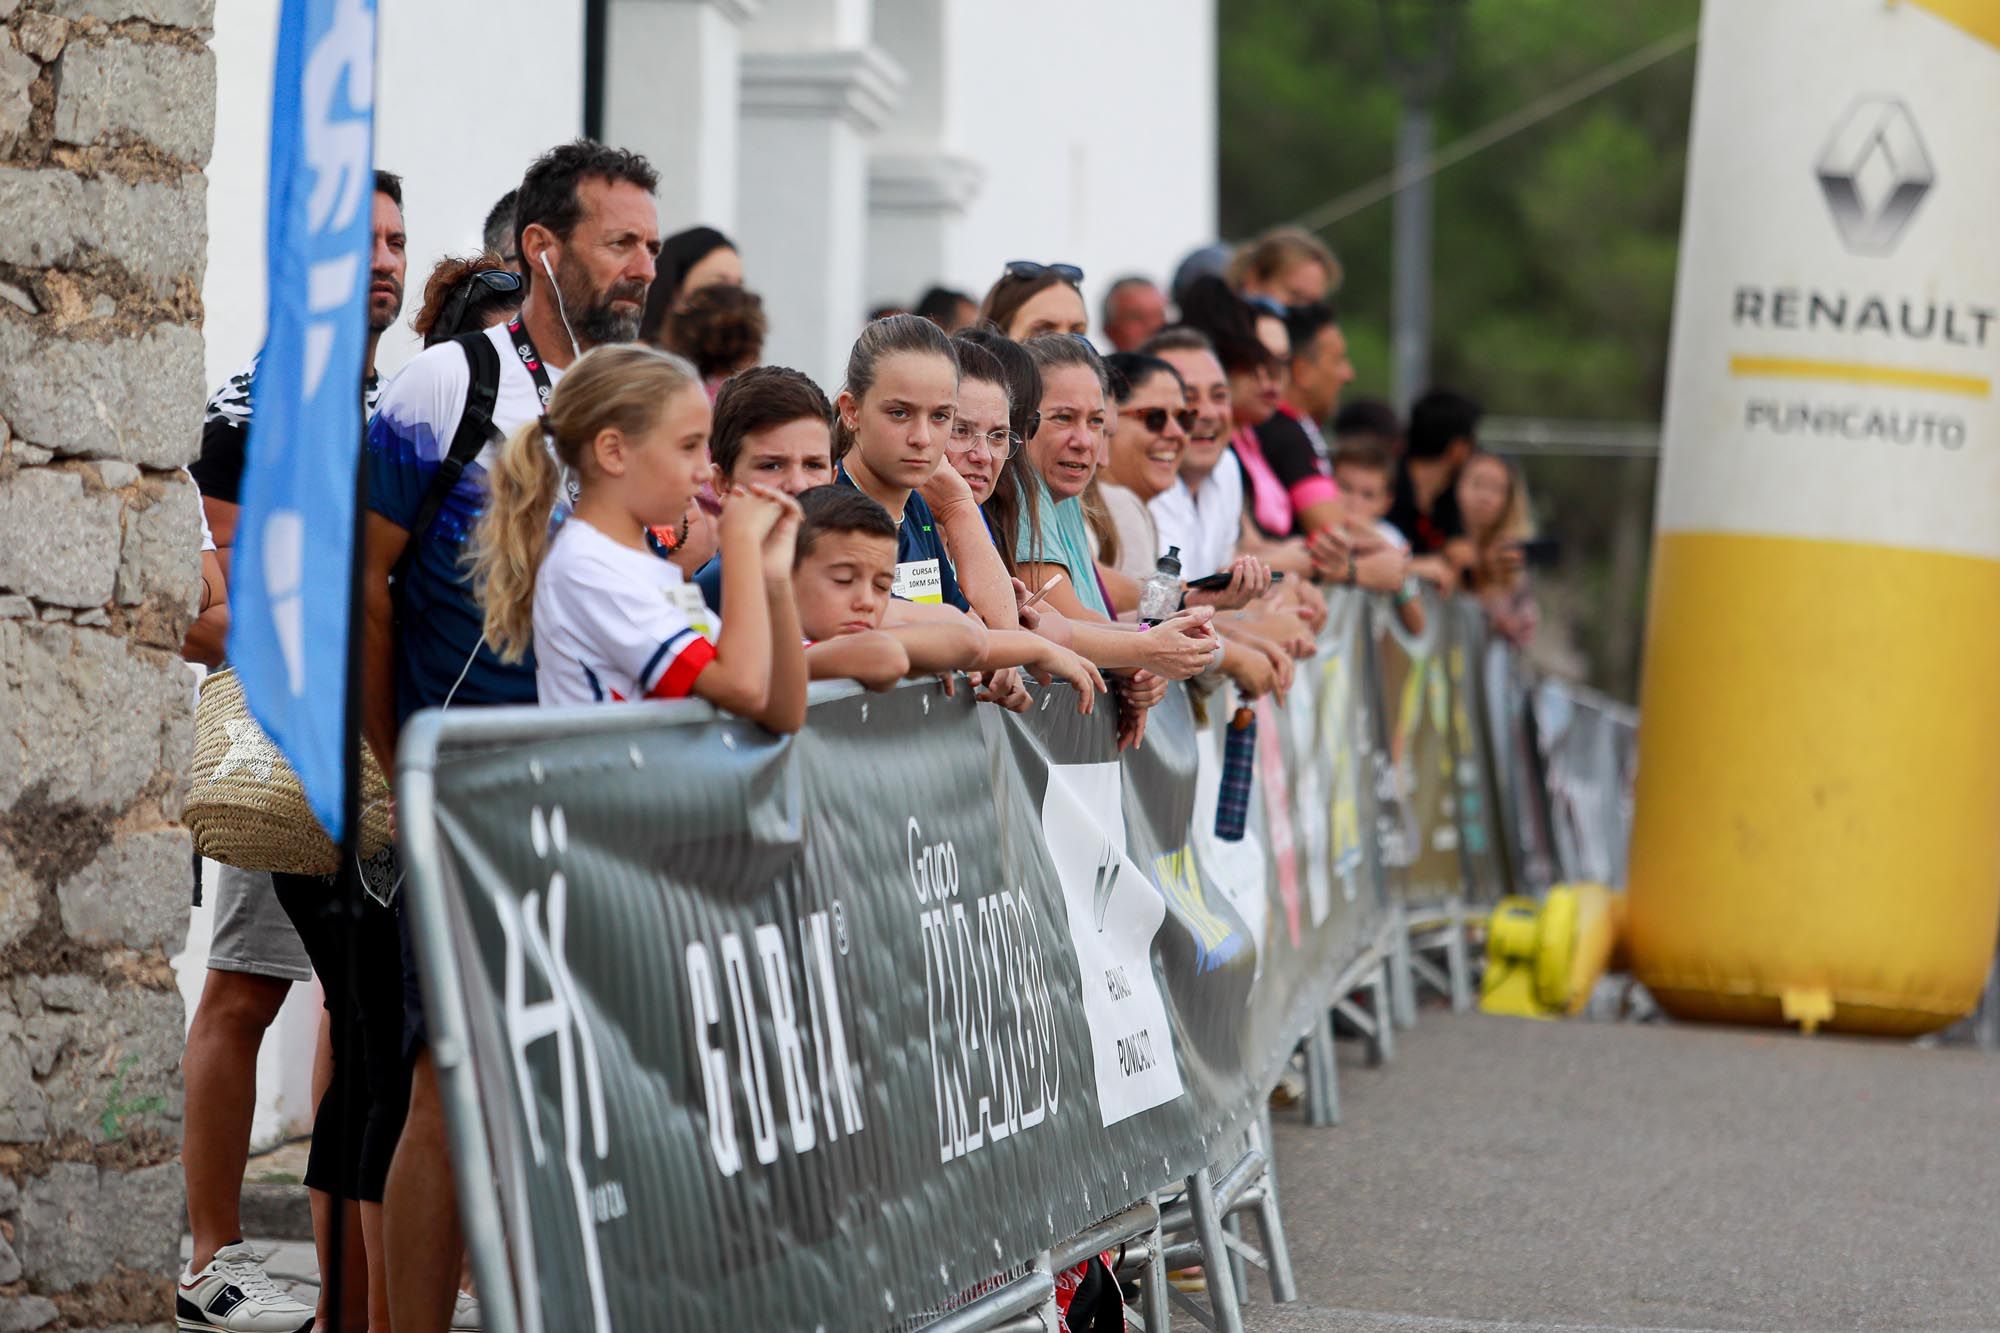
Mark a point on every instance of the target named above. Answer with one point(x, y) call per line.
point(626, 388)
point(888, 336)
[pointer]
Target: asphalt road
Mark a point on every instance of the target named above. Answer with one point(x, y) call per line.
point(1509, 1174)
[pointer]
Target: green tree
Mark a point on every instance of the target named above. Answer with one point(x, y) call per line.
point(1554, 255)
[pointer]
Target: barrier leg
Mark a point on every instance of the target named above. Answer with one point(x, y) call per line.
point(1239, 1271)
point(1278, 1256)
point(1322, 1073)
point(1049, 1312)
point(1222, 1303)
point(1403, 977)
point(1458, 963)
point(1153, 1297)
point(1383, 1041)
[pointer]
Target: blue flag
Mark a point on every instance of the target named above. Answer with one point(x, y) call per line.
point(290, 617)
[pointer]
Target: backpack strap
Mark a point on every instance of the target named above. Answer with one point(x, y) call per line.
point(475, 430)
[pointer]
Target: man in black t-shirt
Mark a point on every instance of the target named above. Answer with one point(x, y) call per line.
point(1442, 434)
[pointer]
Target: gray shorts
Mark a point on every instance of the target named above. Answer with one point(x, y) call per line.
point(252, 932)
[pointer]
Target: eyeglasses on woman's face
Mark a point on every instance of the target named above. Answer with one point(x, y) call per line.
point(1002, 442)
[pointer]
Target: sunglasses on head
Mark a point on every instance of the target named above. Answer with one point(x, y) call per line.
point(1154, 419)
point(1028, 270)
point(497, 281)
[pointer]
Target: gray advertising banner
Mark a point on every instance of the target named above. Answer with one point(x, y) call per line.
point(823, 1031)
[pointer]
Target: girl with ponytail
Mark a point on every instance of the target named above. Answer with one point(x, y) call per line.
point(603, 609)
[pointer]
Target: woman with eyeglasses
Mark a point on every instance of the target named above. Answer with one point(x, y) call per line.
point(982, 434)
point(465, 296)
point(1032, 299)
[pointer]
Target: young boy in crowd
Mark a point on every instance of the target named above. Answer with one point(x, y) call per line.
point(1366, 475)
point(842, 577)
point(773, 427)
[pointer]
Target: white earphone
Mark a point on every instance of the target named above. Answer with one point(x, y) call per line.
point(561, 313)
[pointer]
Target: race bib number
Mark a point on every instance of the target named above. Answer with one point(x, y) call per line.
point(919, 581)
point(688, 599)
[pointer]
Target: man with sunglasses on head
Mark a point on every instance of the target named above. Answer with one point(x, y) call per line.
point(255, 953)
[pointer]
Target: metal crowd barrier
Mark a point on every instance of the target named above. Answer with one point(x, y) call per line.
point(1404, 785)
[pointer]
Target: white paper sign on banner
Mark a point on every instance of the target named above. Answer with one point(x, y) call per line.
point(1114, 913)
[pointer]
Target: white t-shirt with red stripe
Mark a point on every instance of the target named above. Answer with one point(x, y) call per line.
point(609, 625)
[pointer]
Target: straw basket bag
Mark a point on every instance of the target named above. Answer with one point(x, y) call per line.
point(245, 805)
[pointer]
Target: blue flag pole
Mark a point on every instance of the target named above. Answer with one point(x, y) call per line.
point(293, 638)
point(292, 629)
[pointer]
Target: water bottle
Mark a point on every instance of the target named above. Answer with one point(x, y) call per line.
point(1239, 770)
point(1161, 595)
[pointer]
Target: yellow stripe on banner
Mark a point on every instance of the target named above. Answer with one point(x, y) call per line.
point(1859, 372)
point(1981, 18)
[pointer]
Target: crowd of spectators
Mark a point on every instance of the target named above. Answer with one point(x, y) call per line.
point(586, 488)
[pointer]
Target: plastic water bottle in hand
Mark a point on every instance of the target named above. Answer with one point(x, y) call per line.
point(1161, 595)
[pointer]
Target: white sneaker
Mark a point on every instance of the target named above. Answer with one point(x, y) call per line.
point(465, 1314)
point(235, 1293)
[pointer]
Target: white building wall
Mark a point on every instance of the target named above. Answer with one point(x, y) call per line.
point(672, 84)
point(458, 116)
point(1094, 126)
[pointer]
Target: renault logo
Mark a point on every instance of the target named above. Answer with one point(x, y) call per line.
point(1874, 172)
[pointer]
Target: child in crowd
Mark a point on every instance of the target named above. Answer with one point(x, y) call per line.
point(894, 420)
point(1367, 478)
point(597, 602)
point(773, 427)
point(1489, 555)
point(844, 573)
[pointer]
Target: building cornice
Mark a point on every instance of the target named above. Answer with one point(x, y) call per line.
point(923, 183)
point(739, 12)
point(860, 85)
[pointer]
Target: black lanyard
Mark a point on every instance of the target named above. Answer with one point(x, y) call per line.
point(524, 347)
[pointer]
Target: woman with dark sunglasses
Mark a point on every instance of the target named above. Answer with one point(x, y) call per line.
point(466, 295)
point(1146, 448)
point(1032, 299)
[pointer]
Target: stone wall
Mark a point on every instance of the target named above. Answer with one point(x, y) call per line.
point(106, 117)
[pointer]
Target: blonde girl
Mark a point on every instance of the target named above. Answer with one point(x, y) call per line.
point(608, 617)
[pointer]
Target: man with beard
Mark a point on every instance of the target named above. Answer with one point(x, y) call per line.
point(586, 229)
point(255, 953)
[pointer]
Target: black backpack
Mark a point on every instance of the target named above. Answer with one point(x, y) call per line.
point(475, 430)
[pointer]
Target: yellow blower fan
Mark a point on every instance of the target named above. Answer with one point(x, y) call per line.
point(1543, 959)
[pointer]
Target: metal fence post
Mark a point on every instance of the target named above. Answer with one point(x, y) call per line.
point(1153, 1296)
point(1402, 975)
point(1278, 1255)
point(1382, 1042)
point(1458, 962)
point(1208, 1230)
point(1322, 1072)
